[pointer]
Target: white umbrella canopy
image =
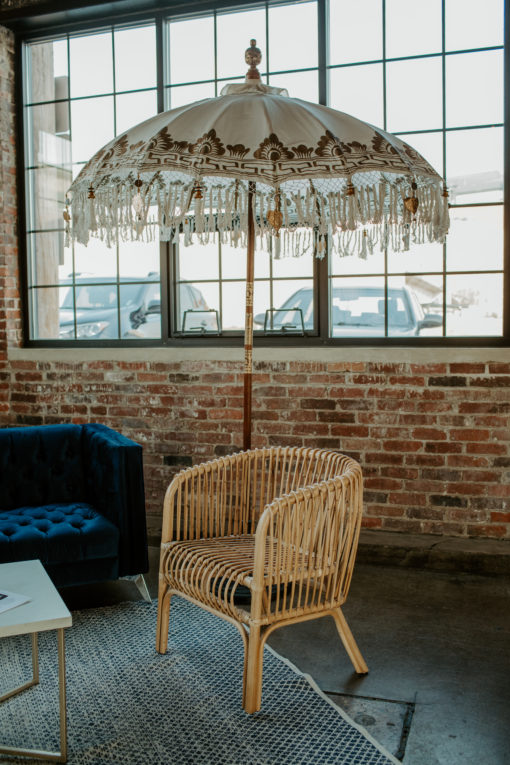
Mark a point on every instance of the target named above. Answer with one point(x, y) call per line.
point(255, 163)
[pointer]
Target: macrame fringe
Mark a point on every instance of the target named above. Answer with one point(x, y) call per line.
point(373, 217)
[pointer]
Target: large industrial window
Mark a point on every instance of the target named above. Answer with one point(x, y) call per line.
point(431, 73)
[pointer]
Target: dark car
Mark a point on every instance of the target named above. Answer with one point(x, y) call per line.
point(356, 311)
point(101, 303)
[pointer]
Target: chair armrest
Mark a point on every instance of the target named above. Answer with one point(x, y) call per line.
point(305, 545)
point(113, 469)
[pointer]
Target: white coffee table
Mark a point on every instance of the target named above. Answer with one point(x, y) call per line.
point(45, 611)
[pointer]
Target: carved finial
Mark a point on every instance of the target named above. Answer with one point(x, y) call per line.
point(253, 56)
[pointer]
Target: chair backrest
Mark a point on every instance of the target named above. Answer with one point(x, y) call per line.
point(228, 495)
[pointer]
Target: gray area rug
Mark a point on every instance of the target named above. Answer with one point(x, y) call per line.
point(127, 704)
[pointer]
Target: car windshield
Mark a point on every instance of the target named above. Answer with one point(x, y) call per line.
point(364, 307)
point(100, 296)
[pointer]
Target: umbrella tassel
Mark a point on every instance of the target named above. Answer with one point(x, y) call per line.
point(286, 204)
point(211, 211)
point(445, 217)
point(309, 212)
point(332, 209)
point(351, 201)
point(299, 208)
point(361, 205)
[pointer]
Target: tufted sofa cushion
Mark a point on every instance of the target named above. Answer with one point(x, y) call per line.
point(41, 465)
point(57, 532)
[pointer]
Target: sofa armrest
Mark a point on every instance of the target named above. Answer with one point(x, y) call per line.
point(113, 473)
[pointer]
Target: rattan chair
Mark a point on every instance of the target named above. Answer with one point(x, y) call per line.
point(280, 525)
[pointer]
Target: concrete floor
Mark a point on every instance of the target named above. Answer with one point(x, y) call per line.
point(437, 646)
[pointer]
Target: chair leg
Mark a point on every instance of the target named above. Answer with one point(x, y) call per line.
point(163, 619)
point(252, 692)
point(349, 643)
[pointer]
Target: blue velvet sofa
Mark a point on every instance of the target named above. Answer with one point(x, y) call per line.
point(73, 496)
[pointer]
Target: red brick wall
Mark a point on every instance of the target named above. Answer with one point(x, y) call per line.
point(10, 325)
point(432, 438)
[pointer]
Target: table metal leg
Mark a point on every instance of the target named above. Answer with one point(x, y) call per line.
point(40, 754)
point(62, 694)
point(35, 672)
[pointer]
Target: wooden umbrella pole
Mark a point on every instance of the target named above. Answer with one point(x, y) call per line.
point(248, 330)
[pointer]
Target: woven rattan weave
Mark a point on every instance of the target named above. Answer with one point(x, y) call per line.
point(263, 538)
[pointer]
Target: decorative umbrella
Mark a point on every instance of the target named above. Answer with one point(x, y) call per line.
point(255, 163)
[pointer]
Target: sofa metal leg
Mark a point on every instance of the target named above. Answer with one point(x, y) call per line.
point(142, 587)
point(141, 584)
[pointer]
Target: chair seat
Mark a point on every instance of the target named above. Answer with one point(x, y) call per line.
point(60, 533)
point(219, 572)
point(211, 570)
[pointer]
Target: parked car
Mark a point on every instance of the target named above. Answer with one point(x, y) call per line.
point(98, 311)
point(356, 311)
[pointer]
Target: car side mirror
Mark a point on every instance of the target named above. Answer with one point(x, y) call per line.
point(430, 321)
point(154, 306)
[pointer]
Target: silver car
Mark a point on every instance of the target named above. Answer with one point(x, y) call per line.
point(357, 311)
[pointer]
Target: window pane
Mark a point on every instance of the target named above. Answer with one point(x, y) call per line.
point(474, 164)
point(350, 41)
point(294, 267)
point(186, 94)
point(48, 261)
point(412, 28)
point(92, 126)
point(475, 305)
point(419, 258)
point(91, 65)
point(261, 301)
point(472, 24)
point(96, 309)
point(356, 309)
point(358, 90)
point(133, 108)
point(135, 58)
point(139, 259)
point(481, 76)
point(186, 38)
point(96, 259)
point(44, 303)
point(234, 32)
point(475, 240)
point(292, 37)
point(409, 106)
point(45, 194)
point(234, 307)
point(48, 71)
point(48, 135)
point(415, 306)
point(304, 85)
point(429, 145)
point(290, 299)
point(140, 310)
point(342, 265)
point(193, 302)
point(262, 264)
point(233, 261)
point(198, 261)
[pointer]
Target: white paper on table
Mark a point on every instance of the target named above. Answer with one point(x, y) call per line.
point(11, 600)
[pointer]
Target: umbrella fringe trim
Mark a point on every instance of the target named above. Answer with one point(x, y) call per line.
point(371, 217)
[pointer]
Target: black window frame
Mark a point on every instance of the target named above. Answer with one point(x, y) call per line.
point(30, 26)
